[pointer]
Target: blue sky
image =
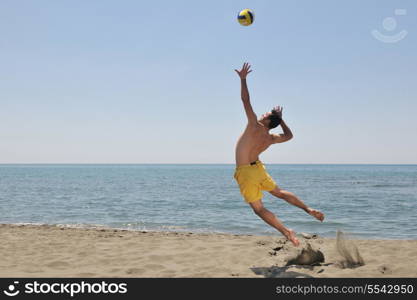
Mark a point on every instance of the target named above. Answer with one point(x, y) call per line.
point(153, 81)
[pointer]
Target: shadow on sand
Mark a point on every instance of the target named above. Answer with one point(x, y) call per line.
point(281, 272)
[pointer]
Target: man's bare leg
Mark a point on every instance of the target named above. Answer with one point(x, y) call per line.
point(294, 200)
point(272, 220)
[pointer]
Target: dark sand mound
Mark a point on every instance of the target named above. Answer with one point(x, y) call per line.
point(307, 256)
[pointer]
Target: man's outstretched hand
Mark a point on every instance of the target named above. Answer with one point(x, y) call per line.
point(245, 71)
point(277, 110)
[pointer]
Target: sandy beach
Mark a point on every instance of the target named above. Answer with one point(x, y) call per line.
point(54, 251)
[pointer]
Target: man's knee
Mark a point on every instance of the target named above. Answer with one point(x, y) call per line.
point(257, 207)
point(259, 210)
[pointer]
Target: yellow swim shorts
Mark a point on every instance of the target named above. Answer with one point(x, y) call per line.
point(253, 179)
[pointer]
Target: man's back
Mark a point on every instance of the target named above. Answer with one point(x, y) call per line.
point(253, 141)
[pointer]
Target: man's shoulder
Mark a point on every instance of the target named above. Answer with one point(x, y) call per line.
point(254, 125)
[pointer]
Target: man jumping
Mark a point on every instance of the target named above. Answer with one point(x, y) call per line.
point(251, 174)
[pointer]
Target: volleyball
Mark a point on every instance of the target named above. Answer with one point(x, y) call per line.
point(246, 17)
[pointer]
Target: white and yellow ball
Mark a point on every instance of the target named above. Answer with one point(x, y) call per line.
point(246, 17)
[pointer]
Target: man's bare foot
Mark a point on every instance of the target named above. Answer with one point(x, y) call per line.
point(291, 236)
point(317, 214)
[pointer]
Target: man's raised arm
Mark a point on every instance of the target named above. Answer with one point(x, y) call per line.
point(245, 93)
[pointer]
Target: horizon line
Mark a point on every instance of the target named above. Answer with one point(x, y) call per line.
point(198, 163)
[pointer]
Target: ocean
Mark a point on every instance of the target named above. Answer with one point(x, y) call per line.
point(365, 201)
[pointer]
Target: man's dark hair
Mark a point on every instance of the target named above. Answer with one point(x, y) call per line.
point(274, 119)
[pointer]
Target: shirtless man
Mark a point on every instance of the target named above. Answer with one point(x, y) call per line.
point(251, 174)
